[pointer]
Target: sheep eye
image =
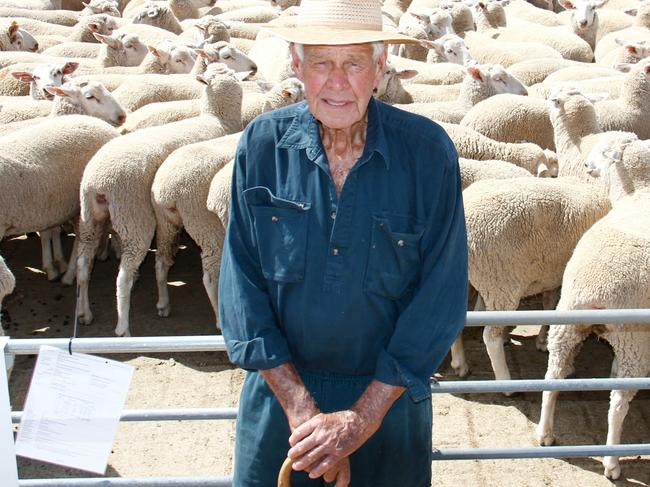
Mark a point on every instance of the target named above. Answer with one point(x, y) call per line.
point(226, 56)
point(90, 97)
point(36, 77)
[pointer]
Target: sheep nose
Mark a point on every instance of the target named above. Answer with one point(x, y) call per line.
point(121, 119)
point(583, 24)
point(35, 48)
point(253, 69)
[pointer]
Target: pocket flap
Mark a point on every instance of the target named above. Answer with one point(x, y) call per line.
point(262, 196)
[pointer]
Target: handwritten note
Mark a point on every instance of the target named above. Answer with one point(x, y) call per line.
point(73, 408)
point(8, 470)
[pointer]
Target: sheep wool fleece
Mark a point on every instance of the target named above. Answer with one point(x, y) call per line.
point(368, 284)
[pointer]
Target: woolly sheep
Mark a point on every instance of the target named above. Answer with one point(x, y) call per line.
point(226, 53)
point(117, 183)
point(480, 83)
point(82, 31)
point(92, 7)
point(488, 16)
point(524, 10)
point(608, 270)
point(472, 171)
point(176, 208)
point(22, 109)
point(512, 118)
point(492, 51)
point(218, 201)
point(43, 76)
point(532, 71)
point(32, 164)
point(605, 86)
point(427, 24)
point(289, 91)
point(149, 34)
point(449, 48)
point(32, 4)
point(137, 91)
point(73, 98)
point(158, 15)
point(640, 31)
point(272, 57)
point(255, 15)
point(629, 112)
point(472, 145)
point(431, 74)
point(461, 16)
point(61, 17)
point(520, 235)
point(629, 52)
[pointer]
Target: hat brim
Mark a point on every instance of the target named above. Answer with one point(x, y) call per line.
point(327, 35)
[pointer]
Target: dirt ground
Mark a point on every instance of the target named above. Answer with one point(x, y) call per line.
point(42, 309)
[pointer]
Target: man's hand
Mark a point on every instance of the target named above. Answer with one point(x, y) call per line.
point(320, 443)
point(340, 473)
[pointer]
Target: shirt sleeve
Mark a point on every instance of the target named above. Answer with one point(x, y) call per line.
point(433, 319)
point(247, 318)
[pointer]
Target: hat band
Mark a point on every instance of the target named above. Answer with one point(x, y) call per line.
point(340, 25)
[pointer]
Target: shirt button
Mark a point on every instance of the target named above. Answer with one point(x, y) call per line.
point(333, 215)
point(400, 243)
point(335, 251)
point(274, 218)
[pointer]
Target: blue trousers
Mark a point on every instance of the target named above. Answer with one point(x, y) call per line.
point(398, 454)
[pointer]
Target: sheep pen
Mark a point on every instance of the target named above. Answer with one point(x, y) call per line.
point(38, 308)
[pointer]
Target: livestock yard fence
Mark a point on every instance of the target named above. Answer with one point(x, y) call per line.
point(211, 343)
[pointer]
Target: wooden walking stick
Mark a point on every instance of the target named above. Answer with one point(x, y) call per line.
point(284, 478)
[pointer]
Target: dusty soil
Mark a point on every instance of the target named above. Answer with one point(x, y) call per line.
point(42, 309)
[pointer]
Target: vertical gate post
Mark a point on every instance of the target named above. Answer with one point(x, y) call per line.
point(9, 471)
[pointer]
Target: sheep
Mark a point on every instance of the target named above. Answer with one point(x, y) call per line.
point(525, 11)
point(461, 16)
point(511, 118)
point(20, 39)
point(218, 201)
point(149, 34)
point(430, 74)
point(90, 98)
point(520, 235)
point(285, 4)
point(80, 32)
point(472, 170)
point(43, 76)
point(207, 28)
point(32, 164)
point(488, 16)
point(226, 53)
point(282, 94)
point(426, 25)
point(480, 83)
point(472, 145)
point(158, 15)
point(629, 112)
point(566, 43)
point(532, 71)
point(23, 109)
point(578, 72)
point(639, 31)
point(73, 49)
point(608, 270)
point(605, 86)
point(250, 15)
point(32, 4)
point(61, 17)
point(629, 52)
point(137, 91)
point(176, 208)
point(183, 9)
point(117, 183)
point(92, 7)
point(449, 48)
point(272, 57)
point(7, 285)
point(492, 51)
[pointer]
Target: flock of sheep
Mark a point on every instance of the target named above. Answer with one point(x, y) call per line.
point(121, 118)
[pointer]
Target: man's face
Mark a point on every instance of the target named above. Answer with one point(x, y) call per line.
point(339, 81)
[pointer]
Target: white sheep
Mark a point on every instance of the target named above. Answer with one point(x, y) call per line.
point(512, 118)
point(117, 182)
point(629, 112)
point(524, 10)
point(608, 270)
point(82, 31)
point(158, 15)
point(532, 71)
point(462, 19)
point(61, 17)
point(43, 76)
point(429, 24)
point(472, 170)
point(250, 15)
point(32, 4)
point(92, 7)
point(639, 31)
point(285, 93)
point(226, 53)
point(481, 82)
point(14, 109)
point(218, 201)
point(520, 234)
point(492, 51)
point(431, 74)
point(629, 52)
point(607, 86)
point(449, 48)
point(73, 98)
point(178, 206)
point(33, 161)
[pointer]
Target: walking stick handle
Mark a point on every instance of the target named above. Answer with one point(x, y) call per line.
point(284, 478)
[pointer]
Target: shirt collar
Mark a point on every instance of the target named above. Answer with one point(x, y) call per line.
point(303, 133)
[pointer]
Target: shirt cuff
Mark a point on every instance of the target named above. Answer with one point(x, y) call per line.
point(389, 371)
point(259, 353)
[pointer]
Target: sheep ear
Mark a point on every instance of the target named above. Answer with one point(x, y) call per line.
point(543, 170)
point(108, 40)
point(23, 76)
point(57, 90)
point(85, 4)
point(202, 53)
point(406, 73)
point(598, 3)
point(620, 42)
point(286, 94)
point(615, 153)
point(153, 12)
point(154, 51)
point(93, 26)
point(623, 67)
point(632, 11)
point(567, 4)
point(475, 72)
point(13, 31)
point(70, 67)
point(265, 85)
point(631, 48)
point(201, 79)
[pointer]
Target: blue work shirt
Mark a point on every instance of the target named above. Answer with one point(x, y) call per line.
point(369, 282)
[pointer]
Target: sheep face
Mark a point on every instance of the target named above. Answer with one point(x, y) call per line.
point(108, 7)
point(566, 101)
point(212, 29)
point(292, 90)
point(176, 58)
point(584, 12)
point(285, 4)
point(94, 99)
point(504, 82)
point(44, 76)
point(450, 49)
point(101, 24)
point(440, 23)
point(223, 52)
point(391, 82)
point(123, 49)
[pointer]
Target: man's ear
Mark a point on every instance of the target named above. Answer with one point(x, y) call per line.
point(296, 64)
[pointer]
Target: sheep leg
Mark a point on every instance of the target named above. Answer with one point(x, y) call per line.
point(69, 276)
point(7, 284)
point(619, 404)
point(494, 338)
point(458, 359)
point(59, 259)
point(166, 238)
point(549, 302)
point(89, 232)
point(102, 249)
point(46, 253)
point(564, 343)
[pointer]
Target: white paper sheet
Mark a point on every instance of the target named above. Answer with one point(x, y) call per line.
point(8, 471)
point(73, 408)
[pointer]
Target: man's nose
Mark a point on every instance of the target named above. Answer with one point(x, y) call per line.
point(338, 78)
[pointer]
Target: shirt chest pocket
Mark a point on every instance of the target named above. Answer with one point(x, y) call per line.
point(394, 258)
point(280, 227)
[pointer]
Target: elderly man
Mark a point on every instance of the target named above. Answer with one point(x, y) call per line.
point(344, 271)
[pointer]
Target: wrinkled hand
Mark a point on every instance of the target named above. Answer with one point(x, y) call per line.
point(320, 443)
point(341, 473)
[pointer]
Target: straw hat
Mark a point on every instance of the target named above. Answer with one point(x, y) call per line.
point(333, 22)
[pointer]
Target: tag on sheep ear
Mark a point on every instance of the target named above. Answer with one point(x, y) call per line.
point(632, 11)
point(23, 76)
point(596, 97)
point(623, 67)
point(70, 67)
point(265, 85)
point(153, 12)
point(567, 4)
